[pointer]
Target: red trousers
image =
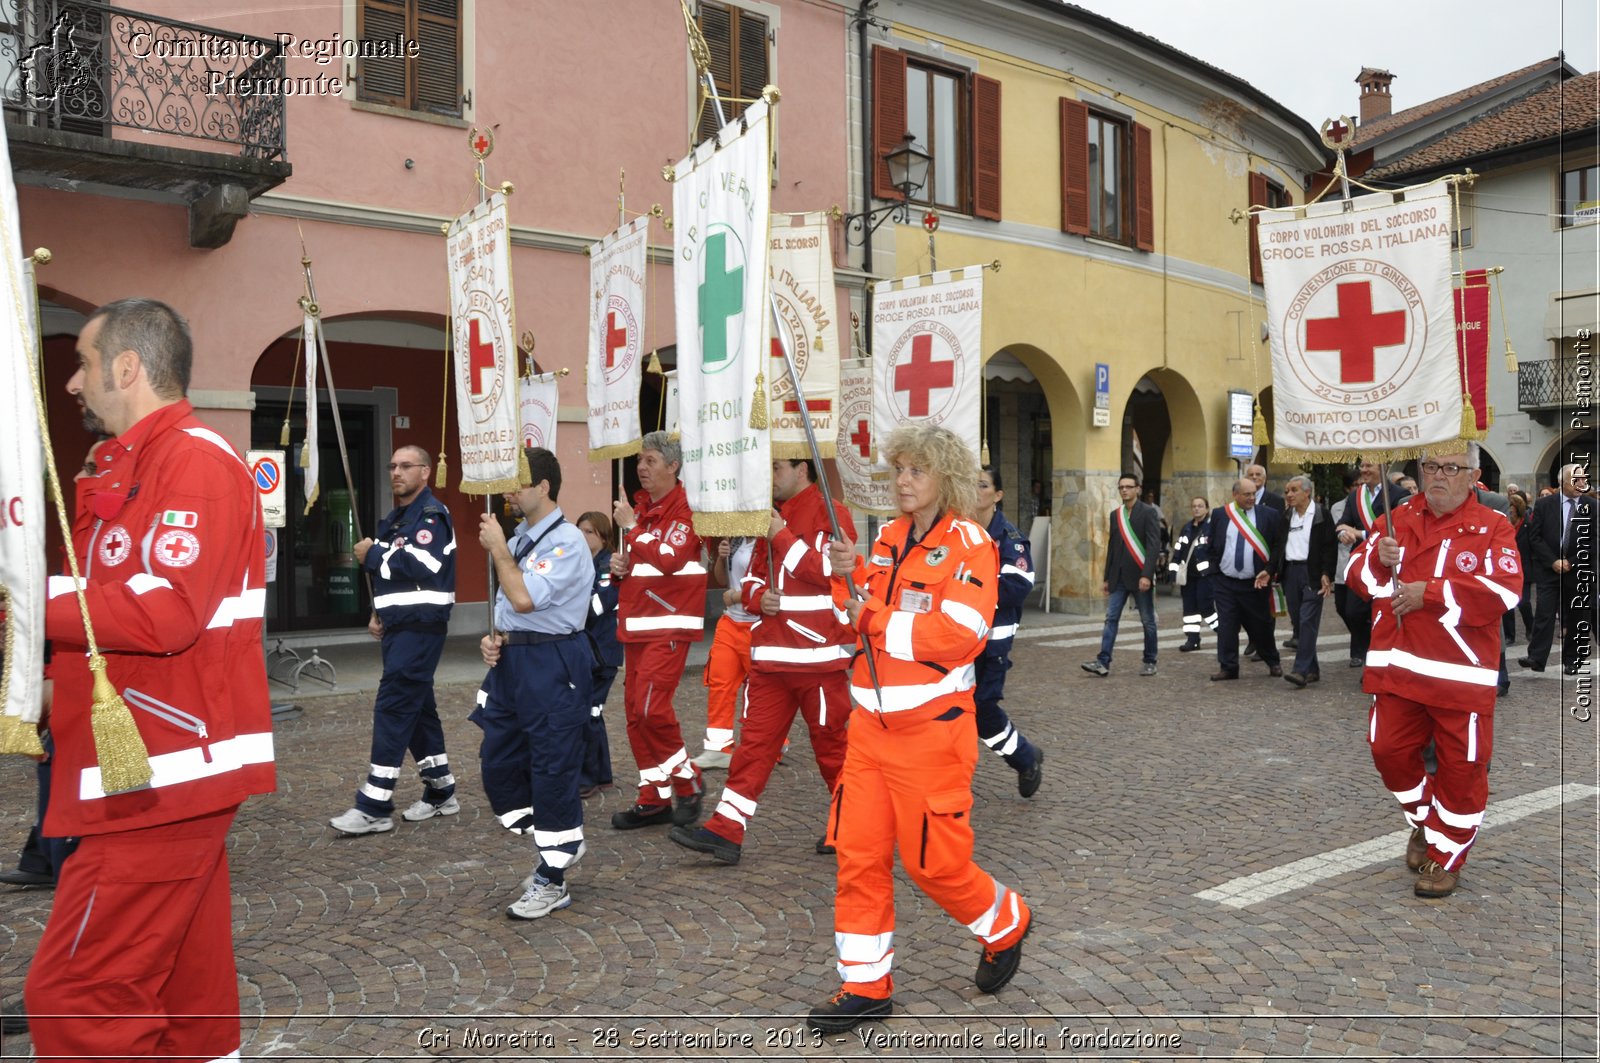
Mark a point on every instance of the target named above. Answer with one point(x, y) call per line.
point(726, 669)
point(653, 670)
point(1449, 804)
point(137, 958)
point(771, 701)
point(907, 780)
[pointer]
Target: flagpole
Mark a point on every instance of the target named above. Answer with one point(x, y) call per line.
point(488, 499)
point(622, 219)
point(333, 396)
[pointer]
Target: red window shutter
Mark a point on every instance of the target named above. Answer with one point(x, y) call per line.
point(1144, 210)
point(1074, 167)
point(888, 115)
point(985, 147)
point(1258, 198)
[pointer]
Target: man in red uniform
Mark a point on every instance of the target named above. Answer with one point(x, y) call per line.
point(661, 610)
point(799, 651)
point(1439, 582)
point(138, 949)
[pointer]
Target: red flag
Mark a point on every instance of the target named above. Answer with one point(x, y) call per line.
point(1472, 340)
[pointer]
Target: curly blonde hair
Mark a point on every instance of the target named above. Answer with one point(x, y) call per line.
point(943, 453)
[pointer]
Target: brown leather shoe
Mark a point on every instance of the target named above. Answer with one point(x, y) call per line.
point(1275, 671)
point(1416, 850)
point(1295, 679)
point(1434, 881)
point(1217, 677)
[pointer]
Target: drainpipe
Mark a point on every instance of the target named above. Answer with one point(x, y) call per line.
point(862, 20)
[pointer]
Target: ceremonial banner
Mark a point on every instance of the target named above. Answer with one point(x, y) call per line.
point(488, 415)
point(22, 507)
point(719, 206)
point(540, 402)
point(1362, 328)
point(310, 457)
point(616, 339)
point(1472, 340)
point(673, 401)
point(800, 261)
point(927, 337)
point(857, 455)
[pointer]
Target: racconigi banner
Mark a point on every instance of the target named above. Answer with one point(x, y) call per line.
point(800, 260)
point(720, 197)
point(927, 336)
point(1360, 316)
point(540, 403)
point(856, 453)
point(616, 339)
point(488, 415)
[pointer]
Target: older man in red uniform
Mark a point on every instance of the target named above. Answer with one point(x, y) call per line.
point(139, 947)
point(799, 651)
point(661, 610)
point(1440, 573)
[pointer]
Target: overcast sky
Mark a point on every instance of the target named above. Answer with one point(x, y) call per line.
point(1307, 56)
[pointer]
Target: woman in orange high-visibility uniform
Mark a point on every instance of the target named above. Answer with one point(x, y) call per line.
point(931, 582)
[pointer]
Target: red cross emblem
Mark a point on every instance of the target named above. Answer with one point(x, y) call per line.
point(1336, 133)
point(1356, 332)
point(480, 356)
point(115, 545)
point(921, 376)
point(862, 438)
point(481, 141)
point(177, 549)
point(616, 338)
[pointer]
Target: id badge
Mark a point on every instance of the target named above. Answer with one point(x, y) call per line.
point(915, 601)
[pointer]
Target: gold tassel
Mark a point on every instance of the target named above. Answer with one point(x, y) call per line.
point(441, 472)
point(1258, 429)
point(758, 403)
point(283, 436)
point(19, 737)
point(654, 365)
point(1469, 418)
point(124, 761)
point(1511, 358)
point(305, 454)
point(984, 456)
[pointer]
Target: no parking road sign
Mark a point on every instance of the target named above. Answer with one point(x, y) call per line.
point(266, 469)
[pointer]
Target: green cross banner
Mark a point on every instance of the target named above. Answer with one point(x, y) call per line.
point(721, 194)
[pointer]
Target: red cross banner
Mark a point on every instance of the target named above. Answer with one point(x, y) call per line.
point(855, 455)
point(616, 339)
point(1472, 340)
point(540, 403)
point(1362, 327)
point(800, 260)
point(310, 455)
point(22, 509)
point(927, 339)
point(720, 197)
point(488, 415)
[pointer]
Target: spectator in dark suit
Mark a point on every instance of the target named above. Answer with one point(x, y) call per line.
point(1361, 507)
point(1130, 572)
point(1561, 532)
point(1308, 548)
point(1242, 534)
point(1257, 475)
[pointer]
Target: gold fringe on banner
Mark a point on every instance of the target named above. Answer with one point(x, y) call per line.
point(616, 452)
point(124, 761)
point(758, 403)
point(723, 525)
point(797, 449)
point(15, 735)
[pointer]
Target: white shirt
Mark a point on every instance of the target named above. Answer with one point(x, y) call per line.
point(1298, 548)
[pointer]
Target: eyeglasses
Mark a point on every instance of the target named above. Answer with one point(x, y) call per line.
point(393, 465)
point(1127, 487)
point(1433, 468)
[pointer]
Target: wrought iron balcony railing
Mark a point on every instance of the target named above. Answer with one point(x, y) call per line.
point(1555, 383)
point(83, 67)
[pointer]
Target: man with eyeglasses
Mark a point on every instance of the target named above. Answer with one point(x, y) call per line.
point(1438, 581)
point(1561, 532)
point(1130, 572)
point(413, 566)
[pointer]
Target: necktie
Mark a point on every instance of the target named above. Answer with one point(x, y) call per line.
point(1238, 552)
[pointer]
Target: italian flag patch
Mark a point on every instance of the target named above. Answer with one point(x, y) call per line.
point(179, 518)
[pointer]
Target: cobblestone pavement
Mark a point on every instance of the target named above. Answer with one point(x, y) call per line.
point(1160, 795)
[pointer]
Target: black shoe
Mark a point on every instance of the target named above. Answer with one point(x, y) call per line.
point(1291, 644)
point(1190, 646)
point(685, 810)
point(844, 1011)
point(1028, 781)
point(13, 1018)
point(1527, 662)
point(1502, 689)
point(823, 848)
point(636, 816)
point(702, 840)
point(1572, 669)
point(19, 877)
point(996, 968)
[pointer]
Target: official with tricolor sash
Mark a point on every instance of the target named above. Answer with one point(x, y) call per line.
point(1242, 534)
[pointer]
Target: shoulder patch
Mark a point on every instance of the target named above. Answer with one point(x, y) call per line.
point(423, 536)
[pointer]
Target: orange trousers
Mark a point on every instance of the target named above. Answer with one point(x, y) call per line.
point(907, 780)
point(727, 668)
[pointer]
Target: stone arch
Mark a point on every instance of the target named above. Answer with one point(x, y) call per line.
point(1575, 445)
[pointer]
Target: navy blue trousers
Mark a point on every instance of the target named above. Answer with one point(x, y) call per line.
point(596, 769)
point(994, 726)
point(405, 717)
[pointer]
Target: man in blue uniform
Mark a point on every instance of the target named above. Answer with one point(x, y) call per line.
point(1016, 581)
point(534, 703)
point(413, 567)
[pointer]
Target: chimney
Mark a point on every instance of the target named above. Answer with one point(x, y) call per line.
point(1376, 102)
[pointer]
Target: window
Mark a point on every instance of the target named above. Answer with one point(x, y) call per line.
point(1465, 218)
point(1107, 186)
point(1580, 196)
point(431, 82)
point(955, 116)
point(1264, 192)
point(738, 41)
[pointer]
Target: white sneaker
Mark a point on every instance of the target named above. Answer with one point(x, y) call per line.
point(539, 900)
point(424, 809)
point(713, 758)
point(356, 821)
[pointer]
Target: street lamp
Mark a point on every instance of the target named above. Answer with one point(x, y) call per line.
point(908, 171)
